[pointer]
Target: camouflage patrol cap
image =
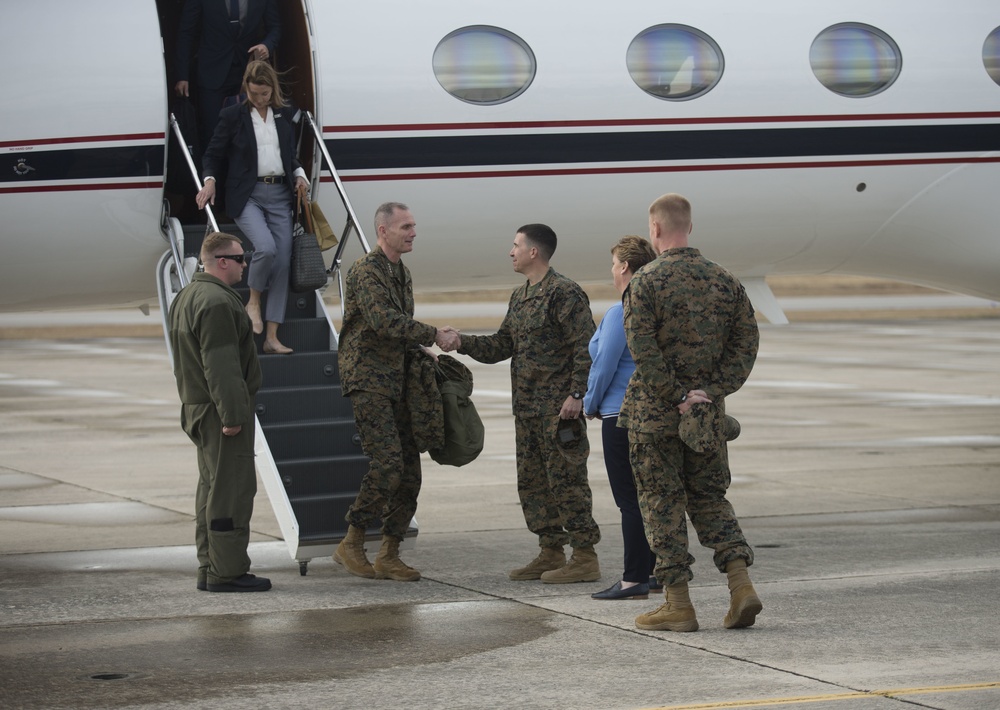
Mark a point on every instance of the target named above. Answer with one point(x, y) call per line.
point(730, 427)
point(702, 427)
point(571, 438)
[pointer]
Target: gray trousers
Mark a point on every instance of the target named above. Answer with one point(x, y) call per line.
point(267, 222)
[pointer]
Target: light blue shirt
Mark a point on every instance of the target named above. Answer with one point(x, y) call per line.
point(612, 366)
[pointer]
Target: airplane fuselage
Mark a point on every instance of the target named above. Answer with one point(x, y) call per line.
point(786, 175)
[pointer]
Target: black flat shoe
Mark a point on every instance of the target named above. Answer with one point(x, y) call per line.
point(246, 583)
point(655, 585)
point(615, 591)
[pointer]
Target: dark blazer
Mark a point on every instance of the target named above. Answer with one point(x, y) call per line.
point(218, 45)
point(233, 151)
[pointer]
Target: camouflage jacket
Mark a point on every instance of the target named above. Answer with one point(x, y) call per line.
point(378, 327)
point(215, 358)
point(689, 325)
point(546, 335)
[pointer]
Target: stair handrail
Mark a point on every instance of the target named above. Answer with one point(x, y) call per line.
point(352, 218)
point(194, 174)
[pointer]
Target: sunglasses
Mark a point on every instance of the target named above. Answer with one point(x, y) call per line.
point(238, 258)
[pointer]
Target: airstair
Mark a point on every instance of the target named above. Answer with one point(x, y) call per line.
point(308, 452)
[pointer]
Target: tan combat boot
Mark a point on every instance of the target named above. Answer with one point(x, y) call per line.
point(744, 604)
point(582, 567)
point(351, 553)
point(548, 558)
point(677, 614)
point(389, 566)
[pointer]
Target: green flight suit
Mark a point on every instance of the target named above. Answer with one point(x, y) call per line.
point(218, 374)
point(546, 334)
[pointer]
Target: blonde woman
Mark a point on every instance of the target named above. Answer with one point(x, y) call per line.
point(256, 142)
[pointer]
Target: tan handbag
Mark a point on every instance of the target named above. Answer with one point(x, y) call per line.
point(325, 236)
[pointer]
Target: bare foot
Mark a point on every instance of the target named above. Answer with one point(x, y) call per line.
point(273, 347)
point(253, 310)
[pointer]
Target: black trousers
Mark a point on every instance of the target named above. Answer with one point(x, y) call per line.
point(639, 559)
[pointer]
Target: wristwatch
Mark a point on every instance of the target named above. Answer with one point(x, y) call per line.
point(577, 395)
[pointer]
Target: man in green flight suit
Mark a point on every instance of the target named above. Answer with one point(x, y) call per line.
point(692, 333)
point(546, 334)
point(376, 341)
point(217, 372)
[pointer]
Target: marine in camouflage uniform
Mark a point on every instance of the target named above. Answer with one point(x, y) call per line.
point(546, 333)
point(218, 374)
point(692, 333)
point(376, 341)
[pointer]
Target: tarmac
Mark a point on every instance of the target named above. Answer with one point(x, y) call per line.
point(867, 479)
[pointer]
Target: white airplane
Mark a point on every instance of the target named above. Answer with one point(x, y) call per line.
point(849, 137)
point(842, 137)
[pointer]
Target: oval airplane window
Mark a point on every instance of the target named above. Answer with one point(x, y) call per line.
point(855, 60)
point(483, 65)
point(674, 62)
point(991, 55)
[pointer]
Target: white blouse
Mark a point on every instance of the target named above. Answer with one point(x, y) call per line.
point(268, 150)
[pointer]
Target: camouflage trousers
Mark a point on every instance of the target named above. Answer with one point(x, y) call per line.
point(670, 479)
point(390, 487)
point(554, 492)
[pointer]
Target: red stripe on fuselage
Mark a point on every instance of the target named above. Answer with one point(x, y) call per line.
point(74, 188)
point(83, 139)
point(611, 123)
point(658, 169)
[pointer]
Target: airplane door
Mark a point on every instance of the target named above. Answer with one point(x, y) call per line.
point(81, 151)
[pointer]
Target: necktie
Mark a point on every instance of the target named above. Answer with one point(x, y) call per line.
point(234, 16)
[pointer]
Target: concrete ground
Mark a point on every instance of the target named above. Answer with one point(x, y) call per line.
point(867, 478)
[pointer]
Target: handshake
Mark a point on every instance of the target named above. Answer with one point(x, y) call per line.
point(448, 339)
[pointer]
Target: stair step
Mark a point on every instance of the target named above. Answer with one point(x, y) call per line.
point(323, 516)
point(276, 405)
point(331, 474)
point(300, 335)
point(300, 306)
point(312, 439)
point(300, 369)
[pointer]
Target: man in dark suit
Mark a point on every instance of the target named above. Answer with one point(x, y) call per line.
point(230, 34)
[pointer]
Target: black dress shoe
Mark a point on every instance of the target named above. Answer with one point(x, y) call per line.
point(246, 583)
point(655, 585)
point(615, 591)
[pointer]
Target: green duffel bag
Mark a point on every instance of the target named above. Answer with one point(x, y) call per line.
point(463, 429)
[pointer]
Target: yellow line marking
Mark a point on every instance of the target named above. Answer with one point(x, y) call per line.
point(836, 696)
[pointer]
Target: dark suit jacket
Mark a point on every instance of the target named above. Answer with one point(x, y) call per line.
point(233, 150)
point(218, 45)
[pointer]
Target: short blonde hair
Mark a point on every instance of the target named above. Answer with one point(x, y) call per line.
point(216, 242)
point(672, 212)
point(634, 251)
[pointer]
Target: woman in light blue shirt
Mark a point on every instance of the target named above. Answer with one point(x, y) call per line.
point(609, 375)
